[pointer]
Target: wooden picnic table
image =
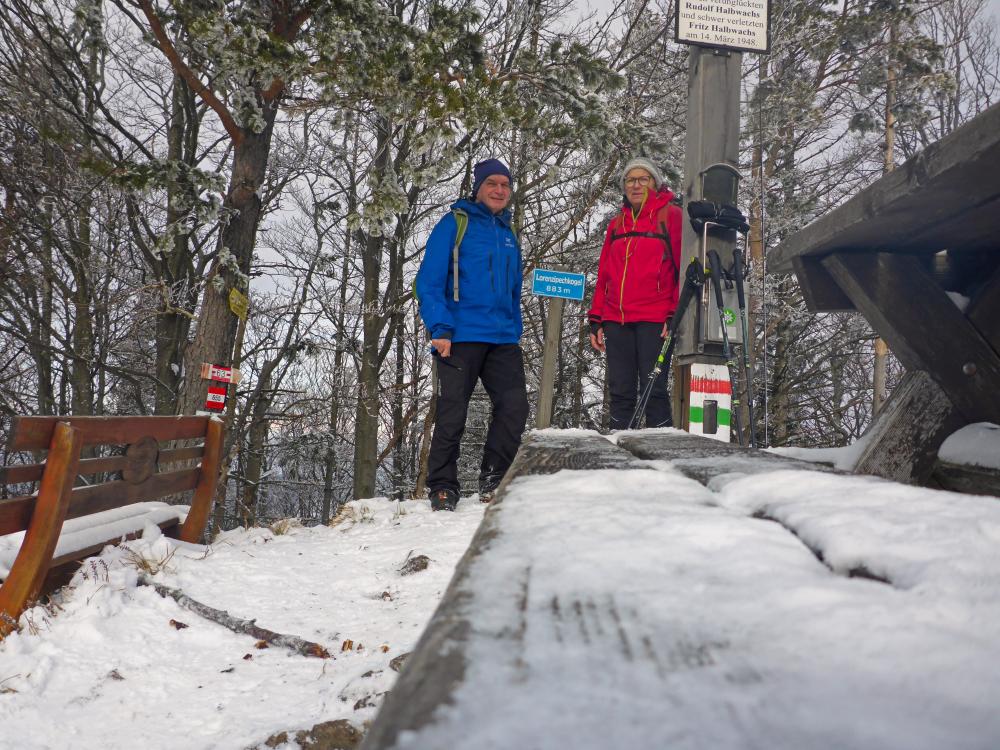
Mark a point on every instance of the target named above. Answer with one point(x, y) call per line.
point(899, 252)
point(671, 591)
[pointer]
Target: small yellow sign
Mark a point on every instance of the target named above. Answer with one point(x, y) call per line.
point(238, 303)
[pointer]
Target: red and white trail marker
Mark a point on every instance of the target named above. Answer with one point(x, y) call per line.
point(216, 400)
point(219, 373)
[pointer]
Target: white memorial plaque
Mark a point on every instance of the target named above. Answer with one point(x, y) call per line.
point(730, 24)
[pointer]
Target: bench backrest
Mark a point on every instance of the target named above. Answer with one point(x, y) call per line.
point(137, 471)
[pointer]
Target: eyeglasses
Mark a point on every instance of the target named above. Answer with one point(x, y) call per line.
point(638, 180)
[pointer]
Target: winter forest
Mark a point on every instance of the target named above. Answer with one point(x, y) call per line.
point(155, 156)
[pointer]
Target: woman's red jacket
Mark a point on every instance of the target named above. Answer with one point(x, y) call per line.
point(638, 270)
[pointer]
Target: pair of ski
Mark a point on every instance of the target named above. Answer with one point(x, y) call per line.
point(694, 279)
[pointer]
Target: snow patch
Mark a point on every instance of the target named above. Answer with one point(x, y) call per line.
point(976, 444)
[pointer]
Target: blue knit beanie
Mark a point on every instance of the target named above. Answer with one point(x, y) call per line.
point(485, 169)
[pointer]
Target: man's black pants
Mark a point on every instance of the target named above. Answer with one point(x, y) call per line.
point(501, 368)
point(632, 349)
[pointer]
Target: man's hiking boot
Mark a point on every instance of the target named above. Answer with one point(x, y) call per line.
point(444, 499)
point(488, 492)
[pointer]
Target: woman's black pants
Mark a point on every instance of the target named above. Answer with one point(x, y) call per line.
point(632, 349)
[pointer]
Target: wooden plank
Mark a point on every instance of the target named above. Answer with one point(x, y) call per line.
point(973, 480)
point(28, 571)
point(35, 433)
point(819, 290)
point(87, 466)
point(98, 497)
point(903, 440)
point(176, 455)
point(94, 549)
point(22, 473)
point(703, 459)
point(437, 665)
point(923, 327)
point(638, 632)
point(104, 465)
point(948, 196)
point(15, 513)
point(549, 452)
point(204, 494)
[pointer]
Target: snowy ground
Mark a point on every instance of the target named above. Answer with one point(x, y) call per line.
point(108, 670)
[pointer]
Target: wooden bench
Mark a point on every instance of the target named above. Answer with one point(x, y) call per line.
point(115, 503)
point(894, 252)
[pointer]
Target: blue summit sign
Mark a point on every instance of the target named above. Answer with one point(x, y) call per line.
point(563, 284)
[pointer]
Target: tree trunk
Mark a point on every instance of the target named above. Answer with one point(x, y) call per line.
point(172, 325)
point(216, 331)
point(879, 395)
point(330, 460)
point(398, 428)
point(367, 412)
point(83, 323)
point(42, 352)
point(582, 345)
point(420, 488)
point(780, 397)
point(253, 466)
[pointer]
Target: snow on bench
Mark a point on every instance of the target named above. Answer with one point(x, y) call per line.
point(627, 605)
point(92, 533)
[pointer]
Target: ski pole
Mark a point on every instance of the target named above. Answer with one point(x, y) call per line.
point(738, 274)
point(694, 277)
point(716, 275)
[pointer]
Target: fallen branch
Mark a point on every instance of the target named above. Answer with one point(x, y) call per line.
point(247, 627)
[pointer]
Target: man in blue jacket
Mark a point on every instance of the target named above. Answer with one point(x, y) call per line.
point(474, 323)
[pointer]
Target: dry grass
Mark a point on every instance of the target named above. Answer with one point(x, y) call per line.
point(351, 516)
point(148, 565)
point(283, 525)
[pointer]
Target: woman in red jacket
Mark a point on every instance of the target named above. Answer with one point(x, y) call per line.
point(636, 292)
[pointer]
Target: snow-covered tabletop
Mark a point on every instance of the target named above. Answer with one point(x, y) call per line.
point(638, 608)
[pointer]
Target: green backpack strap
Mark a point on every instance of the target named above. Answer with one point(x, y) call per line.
point(461, 224)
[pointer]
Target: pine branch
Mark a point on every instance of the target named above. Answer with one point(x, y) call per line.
point(247, 627)
point(207, 95)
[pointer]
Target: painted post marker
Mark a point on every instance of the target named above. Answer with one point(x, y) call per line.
point(710, 410)
point(216, 400)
